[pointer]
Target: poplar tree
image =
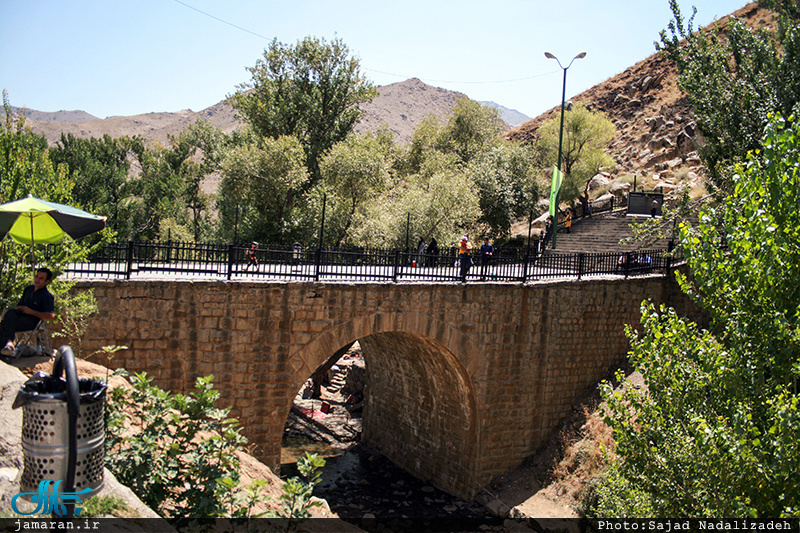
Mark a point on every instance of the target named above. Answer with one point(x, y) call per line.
point(311, 90)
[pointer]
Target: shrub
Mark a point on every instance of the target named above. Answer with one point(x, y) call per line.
point(173, 450)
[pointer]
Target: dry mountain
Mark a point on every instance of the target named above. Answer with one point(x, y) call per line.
point(399, 106)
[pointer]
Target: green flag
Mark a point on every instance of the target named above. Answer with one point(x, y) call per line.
point(558, 177)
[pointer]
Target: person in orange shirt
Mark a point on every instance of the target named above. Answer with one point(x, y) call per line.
point(465, 261)
point(250, 255)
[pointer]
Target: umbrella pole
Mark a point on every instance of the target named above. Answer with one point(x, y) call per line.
point(33, 264)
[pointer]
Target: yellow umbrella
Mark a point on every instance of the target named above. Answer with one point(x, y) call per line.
point(32, 221)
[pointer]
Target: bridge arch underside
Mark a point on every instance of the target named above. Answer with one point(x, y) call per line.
point(419, 410)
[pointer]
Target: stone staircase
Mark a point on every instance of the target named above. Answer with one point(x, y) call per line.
point(600, 234)
point(338, 378)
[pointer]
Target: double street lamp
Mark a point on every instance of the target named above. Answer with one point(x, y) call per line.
point(548, 55)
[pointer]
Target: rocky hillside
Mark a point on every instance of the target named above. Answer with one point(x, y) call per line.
point(656, 134)
point(151, 126)
point(401, 106)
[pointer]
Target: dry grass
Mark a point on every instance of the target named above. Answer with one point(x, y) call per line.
point(583, 459)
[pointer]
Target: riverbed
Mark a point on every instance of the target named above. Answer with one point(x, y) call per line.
point(359, 483)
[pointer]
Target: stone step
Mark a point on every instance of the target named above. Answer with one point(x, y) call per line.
point(602, 235)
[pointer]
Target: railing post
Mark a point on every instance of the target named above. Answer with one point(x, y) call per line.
point(396, 265)
point(668, 263)
point(129, 261)
point(317, 263)
point(628, 259)
point(231, 252)
point(581, 257)
point(525, 261)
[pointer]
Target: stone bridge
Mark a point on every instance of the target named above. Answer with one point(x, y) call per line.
point(464, 381)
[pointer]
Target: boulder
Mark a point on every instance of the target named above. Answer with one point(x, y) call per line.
point(621, 100)
point(599, 181)
point(673, 163)
point(11, 379)
point(619, 186)
point(660, 143)
point(685, 142)
point(602, 202)
point(655, 122)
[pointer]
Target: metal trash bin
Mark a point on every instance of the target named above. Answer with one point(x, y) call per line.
point(63, 431)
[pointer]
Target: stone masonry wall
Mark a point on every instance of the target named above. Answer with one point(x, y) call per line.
point(465, 381)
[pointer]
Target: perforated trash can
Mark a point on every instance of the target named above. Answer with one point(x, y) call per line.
point(63, 432)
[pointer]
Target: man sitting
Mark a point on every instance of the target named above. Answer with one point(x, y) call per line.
point(36, 304)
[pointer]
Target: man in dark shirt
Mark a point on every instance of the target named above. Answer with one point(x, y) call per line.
point(36, 304)
point(487, 251)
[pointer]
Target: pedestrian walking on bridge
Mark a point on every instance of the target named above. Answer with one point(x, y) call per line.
point(465, 261)
point(487, 251)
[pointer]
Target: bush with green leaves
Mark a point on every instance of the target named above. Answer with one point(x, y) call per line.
point(296, 503)
point(173, 450)
point(716, 431)
point(178, 454)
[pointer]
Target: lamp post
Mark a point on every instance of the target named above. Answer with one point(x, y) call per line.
point(548, 55)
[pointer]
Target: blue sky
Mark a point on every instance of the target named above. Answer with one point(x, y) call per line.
point(115, 57)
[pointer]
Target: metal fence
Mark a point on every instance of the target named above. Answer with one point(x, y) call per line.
point(131, 260)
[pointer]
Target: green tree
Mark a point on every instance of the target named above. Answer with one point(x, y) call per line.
point(25, 170)
point(265, 179)
point(164, 199)
point(443, 204)
point(198, 148)
point(734, 77)
point(354, 171)
point(99, 170)
point(311, 91)
point(471, 129)
point(499, 173)
point(505, 178)
point(716, 432)
point(583, 153)
point(424, 141)
point(155, 196)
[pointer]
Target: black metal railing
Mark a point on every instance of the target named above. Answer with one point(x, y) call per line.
point(510, 264)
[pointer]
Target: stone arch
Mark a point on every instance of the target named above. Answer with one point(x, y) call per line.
point(421, 409)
